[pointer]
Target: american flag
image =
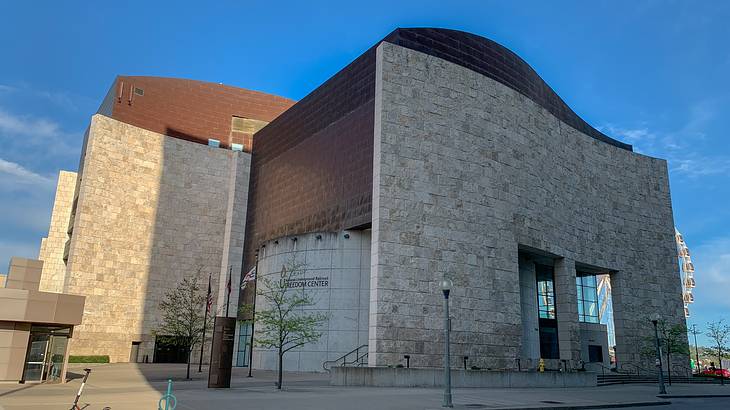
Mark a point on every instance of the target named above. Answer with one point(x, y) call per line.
point(228, 283)
point(209, 299)
point(251, 275)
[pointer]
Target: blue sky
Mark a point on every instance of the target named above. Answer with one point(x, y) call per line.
point(651, 73)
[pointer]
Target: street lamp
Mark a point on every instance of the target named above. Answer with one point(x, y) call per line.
point(654, 321)
point(694, 332)
point(446, 285)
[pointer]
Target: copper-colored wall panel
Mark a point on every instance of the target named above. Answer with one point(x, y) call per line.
point(188, 109)
point(312, 167)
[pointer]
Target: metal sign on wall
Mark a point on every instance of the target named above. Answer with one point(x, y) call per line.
point(315, 282)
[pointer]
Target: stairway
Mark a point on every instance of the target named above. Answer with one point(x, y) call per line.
point(625, 378)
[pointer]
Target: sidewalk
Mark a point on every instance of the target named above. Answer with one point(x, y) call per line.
point(127, 386)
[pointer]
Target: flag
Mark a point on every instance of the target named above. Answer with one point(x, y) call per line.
point(251, 275)
point(228, 283)
point(209, 298)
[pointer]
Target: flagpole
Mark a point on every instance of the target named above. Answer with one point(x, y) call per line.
point(205, 324)
point(253, 314)
point(228, 288)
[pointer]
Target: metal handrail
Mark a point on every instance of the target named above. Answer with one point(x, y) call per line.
point(687, 371)
point(358, 357)
point(604, 367)
point(638, 368)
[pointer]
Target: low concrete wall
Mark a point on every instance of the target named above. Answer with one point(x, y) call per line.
point(433, 377)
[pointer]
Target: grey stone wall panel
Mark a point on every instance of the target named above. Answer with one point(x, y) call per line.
point(465, 169)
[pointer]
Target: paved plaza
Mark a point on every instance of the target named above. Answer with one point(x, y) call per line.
point(132, 386)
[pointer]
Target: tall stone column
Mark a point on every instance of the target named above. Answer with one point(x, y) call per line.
point(566, 306)
point(530, 351)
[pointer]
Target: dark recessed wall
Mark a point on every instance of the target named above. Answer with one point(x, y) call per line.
point(312, 168)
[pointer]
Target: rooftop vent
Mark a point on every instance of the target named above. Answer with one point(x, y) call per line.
point(138, 91)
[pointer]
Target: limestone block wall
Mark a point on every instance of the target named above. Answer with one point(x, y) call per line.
point(465, 171)
point(530, 352)
point(337, 277)
point(52, 247)
point(151, 210)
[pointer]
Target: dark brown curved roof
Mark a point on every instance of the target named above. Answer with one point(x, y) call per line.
point(498, 63)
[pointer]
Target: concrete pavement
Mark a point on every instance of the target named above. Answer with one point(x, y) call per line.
point(128, 386)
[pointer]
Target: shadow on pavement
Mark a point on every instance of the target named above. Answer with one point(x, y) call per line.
point(26, 387)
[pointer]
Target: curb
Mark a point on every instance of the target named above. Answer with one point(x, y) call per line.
point(691, 396)
point(578, 407)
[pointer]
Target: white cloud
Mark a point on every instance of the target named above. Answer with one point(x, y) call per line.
point(61, 99)
point(20, 132)
point(13, 173)
point(27, 126)
point(678, 147)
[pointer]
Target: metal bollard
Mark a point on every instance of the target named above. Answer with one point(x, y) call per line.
point(169, 399)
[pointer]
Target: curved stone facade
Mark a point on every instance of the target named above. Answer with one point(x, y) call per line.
point(337, 277)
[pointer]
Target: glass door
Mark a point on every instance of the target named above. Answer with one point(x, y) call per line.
point(55, 356)
point(35, 361)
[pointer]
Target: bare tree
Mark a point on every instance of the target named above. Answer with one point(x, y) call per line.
point(183, 316)
point(284, 325)
point(719, 332)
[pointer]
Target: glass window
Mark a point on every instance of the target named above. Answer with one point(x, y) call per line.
point(587, 297)
point(244, 344)
point(545, 294)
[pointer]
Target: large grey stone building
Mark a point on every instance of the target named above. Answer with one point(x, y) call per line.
point(436, 153)
point(452, 158)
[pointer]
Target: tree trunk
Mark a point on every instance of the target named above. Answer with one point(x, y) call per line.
point(669, 366)
point(190, 353)
point(719, 360)
point(281, 368)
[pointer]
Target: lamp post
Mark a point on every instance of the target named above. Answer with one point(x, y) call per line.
point(446, 288)
point(694, 332)
point(654, 322)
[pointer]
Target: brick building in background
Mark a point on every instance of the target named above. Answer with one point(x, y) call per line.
point(435, 153)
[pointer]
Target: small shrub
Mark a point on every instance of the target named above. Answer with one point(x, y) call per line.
point(89, 359)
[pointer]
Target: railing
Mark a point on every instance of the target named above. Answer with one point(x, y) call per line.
point(356, 357)
point(638, 369)
point(684, 370)
point(603, 368)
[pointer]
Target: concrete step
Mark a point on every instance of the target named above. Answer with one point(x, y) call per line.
point(617, 378)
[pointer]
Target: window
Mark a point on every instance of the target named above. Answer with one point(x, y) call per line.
point(244, 343)
point(587, 298)
point(545, 292)
point(548, 325)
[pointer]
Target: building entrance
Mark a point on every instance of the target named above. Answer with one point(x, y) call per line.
point(46, 352)
point(170, 350)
